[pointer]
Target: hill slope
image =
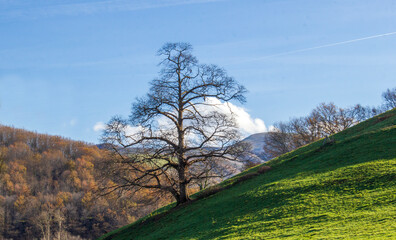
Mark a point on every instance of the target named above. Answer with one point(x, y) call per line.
point(345, 189)
point(48, 186)
point(257, 142)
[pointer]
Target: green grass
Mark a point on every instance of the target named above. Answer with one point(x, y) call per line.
point(345, 190)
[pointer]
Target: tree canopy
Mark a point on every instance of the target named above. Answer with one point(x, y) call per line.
point(176, 135)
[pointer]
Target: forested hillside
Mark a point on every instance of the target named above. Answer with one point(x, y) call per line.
point(50, 189)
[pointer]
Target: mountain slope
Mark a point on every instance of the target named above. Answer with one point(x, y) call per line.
point(343, 189)
point(257, 142)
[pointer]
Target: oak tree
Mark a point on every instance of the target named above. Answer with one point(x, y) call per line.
point(177, 129)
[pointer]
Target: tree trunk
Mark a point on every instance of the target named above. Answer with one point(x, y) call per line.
point(60, 229)
point(183, 197)
point(48, 230)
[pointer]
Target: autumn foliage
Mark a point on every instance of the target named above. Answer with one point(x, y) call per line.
point(50, 189)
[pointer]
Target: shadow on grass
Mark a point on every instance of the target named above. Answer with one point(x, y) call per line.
point(204, 217)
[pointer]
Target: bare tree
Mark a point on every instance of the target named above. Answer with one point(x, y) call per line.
point(44, 222)
point(331, 119)
point(324, 120)
point(389, 97)
point(278, 141)
point(176, 127)
point(304, 130)
point(60, 219)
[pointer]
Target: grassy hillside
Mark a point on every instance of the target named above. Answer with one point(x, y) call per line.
point(343, 190)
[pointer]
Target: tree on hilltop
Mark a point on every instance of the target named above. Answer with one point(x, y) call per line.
point(176, 131)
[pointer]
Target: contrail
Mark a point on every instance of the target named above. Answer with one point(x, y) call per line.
point(325, 46)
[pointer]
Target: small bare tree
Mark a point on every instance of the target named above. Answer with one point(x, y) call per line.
point(59, 218)
point(176, 130)
point(389, 97)
point(44, 222)
point(278, 141)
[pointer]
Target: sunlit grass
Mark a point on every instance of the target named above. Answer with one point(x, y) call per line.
point(342, 191)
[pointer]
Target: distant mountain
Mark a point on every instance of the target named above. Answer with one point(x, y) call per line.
point(257, 143)
point(104, 146)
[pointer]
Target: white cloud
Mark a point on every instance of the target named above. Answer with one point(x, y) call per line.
point(132, 131)
point(246, 123)
point(99, 126)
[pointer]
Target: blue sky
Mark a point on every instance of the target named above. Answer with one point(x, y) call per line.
point(67, 65)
